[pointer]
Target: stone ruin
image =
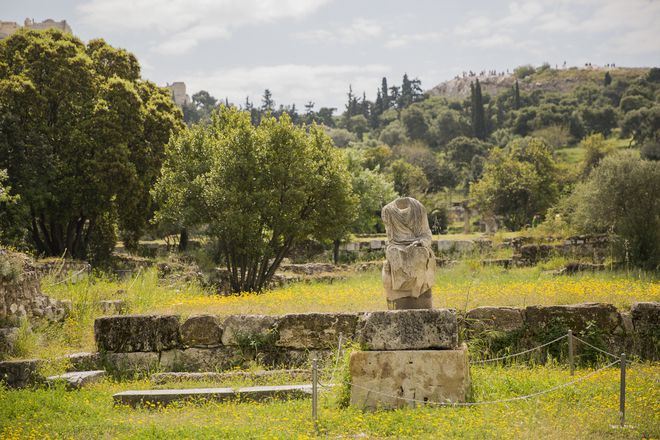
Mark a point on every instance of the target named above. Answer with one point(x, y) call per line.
point(21, 298)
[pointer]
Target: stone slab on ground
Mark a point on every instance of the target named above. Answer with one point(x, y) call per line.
point(420, 329)
point(77, 379)
point(130, 333)
point(384, 379)
point(162, 378)
point(83, 361)
point(164, 397)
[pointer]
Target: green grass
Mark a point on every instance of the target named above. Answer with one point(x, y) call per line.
point(586, 410)
point(463, 287)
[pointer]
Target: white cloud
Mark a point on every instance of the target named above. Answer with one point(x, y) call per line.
point(326, 85)
point(182, 24)
point(404, 40)
point(359, 30)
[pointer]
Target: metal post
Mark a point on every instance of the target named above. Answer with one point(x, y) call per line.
point(622, 395)
point(571, 355)
point(315, 380)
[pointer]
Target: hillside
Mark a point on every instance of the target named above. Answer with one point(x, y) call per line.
point(546, 80)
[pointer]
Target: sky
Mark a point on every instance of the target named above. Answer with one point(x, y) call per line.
point(312, 50)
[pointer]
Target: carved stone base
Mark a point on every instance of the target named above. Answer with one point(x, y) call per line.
point(385, 379)
point(423, 301)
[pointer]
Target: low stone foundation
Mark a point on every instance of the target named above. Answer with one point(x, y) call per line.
point(408, 378)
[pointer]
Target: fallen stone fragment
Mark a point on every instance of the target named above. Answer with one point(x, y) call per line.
point(77, 379)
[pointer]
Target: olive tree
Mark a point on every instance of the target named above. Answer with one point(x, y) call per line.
point(259, 189)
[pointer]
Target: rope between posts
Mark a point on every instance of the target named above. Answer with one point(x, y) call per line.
point(487, 402)
point(69, 277)
point(483, 361)
point(596, 348)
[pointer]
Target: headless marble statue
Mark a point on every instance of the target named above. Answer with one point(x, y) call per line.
point(408, 273)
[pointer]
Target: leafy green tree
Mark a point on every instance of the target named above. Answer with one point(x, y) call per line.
point(394, 134)
point(599, 119)
point(595, 149)
point(378, 157)
point(622, 196)
point(461, 150)
point(414, 120)
point(265, 188)
point(357, 124)
point(409, 179)
point(518, 182)
point(79, 143)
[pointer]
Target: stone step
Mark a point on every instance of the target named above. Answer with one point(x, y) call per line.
point(164, 397)
point(78, 379)
point(168, 377)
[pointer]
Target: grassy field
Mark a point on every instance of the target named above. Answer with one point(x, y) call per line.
point(586, 410)
point(462, 287)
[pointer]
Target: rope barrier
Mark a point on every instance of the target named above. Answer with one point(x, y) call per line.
point(483, 361)
point(595, 348)
point(487, 402)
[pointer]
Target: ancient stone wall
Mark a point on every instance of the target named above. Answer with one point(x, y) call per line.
point(207, 343)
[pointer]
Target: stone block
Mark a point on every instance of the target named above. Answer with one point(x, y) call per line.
point(244, 329)
point(201, 331)
point(503, 319)
point(315, 330)
point(77, 379)
point(131, 333)
point(113, 306)
point(576, 317)
point(646, 321)
point(420, 329)
point(130, 363)
point(8, 338)
point(20, 373)
point(385, 379)
point(197, 359)
point(84, 361)
point(460, 246)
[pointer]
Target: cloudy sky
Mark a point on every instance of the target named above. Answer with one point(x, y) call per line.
point(306, 50)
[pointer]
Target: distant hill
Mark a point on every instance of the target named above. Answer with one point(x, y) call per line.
point(547, 80)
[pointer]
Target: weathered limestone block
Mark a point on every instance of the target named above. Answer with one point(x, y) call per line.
point(201, 331)
point(128, 363)
point(576, 317)
point(646, 320)
point(20, 373)
point(315, 330)
point(197, 359)
point(247, 329)
point(113, 306)
point(382, 379)
point(8, 338)
point(409, 330)
point(503, 319)
point(77, 379)
point(132, 333)
point(460, 246)
point(84, 361)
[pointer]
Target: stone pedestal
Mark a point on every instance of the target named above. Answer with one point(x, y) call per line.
point(381, 378)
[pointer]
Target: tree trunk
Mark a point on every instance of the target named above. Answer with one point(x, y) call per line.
point(183, 240)
point(335, 251)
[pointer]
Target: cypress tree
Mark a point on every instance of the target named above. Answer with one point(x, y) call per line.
point(608, 79)
point(516, 96)
point(478, 116)
point(386, 97)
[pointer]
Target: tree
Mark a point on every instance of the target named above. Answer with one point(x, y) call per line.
point(599, 119)
point(267, 103)
point(607, 80)
point(266, 188)
point(82, 138)
point(461, 150)
point(357, 124)
point(518, 182)
point(409, 180)
point(385, 93)
point(477, 111)
point(394, 134)
point(516, 96)
point(622, 196)
point(414, 119)
point(595, 149)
